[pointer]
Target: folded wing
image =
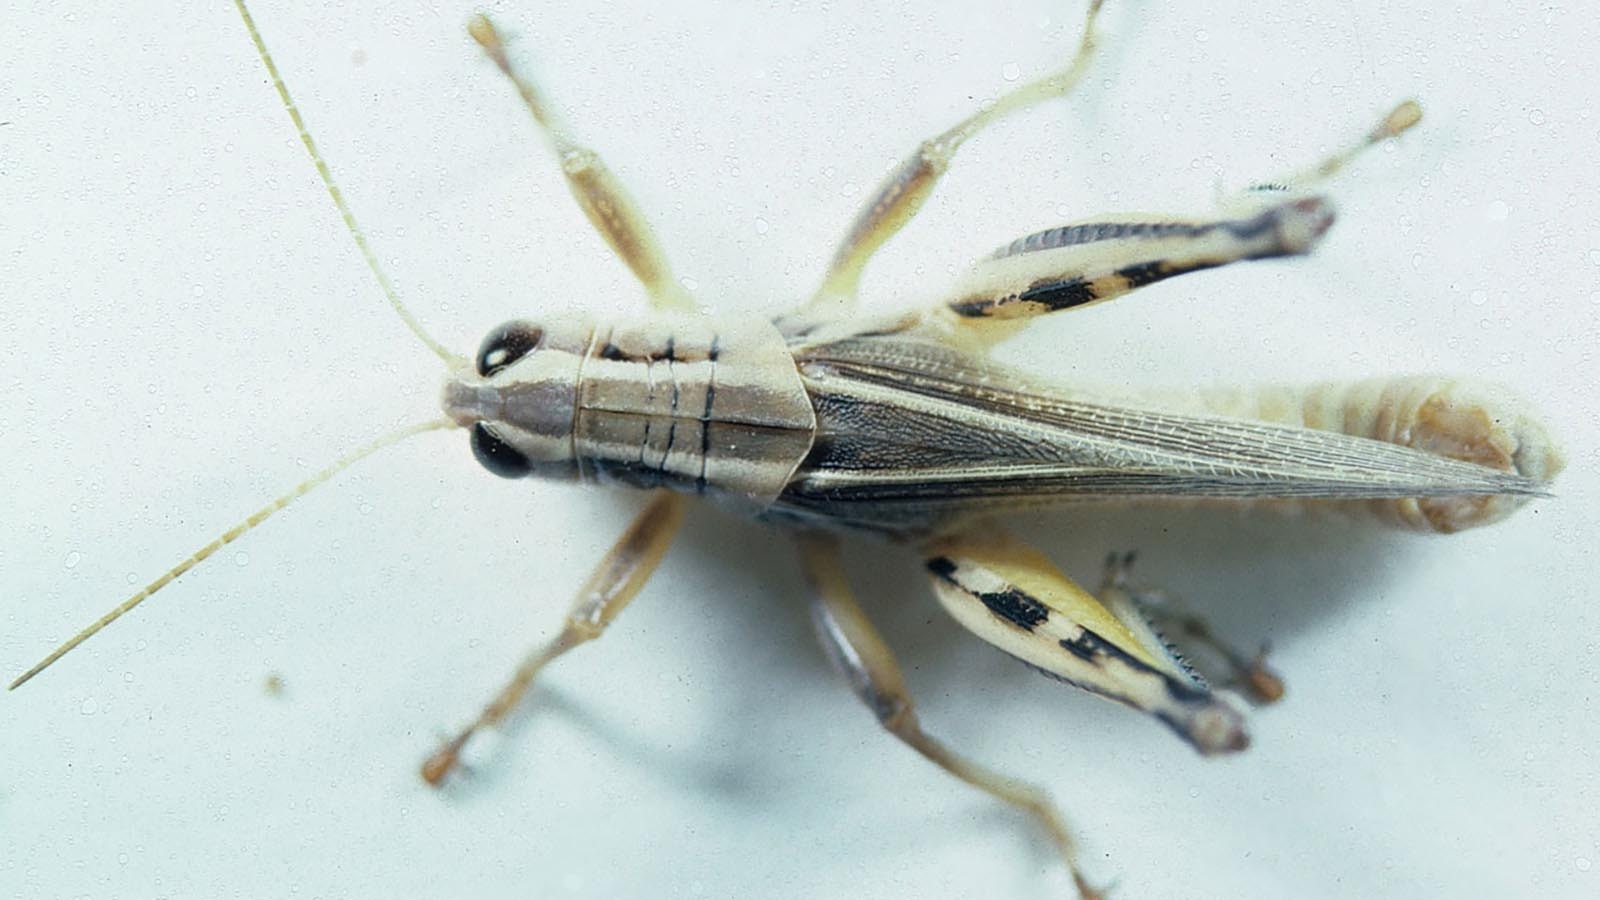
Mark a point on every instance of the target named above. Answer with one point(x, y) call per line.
point(911, 432)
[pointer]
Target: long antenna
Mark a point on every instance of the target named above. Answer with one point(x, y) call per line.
point(228, 537)
point(450, 359)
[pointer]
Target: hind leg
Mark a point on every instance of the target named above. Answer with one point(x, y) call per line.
point(1078, 265)
point(1206, 652)
point(1013, 597)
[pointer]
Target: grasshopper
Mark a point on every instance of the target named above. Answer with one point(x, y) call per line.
point(829, 423)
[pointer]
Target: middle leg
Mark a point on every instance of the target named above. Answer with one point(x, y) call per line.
point(609, 589)
point(857, 650)
point(900, 196)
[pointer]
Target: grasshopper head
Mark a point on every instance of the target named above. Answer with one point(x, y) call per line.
point(519, 396)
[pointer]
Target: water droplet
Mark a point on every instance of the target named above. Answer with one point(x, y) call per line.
point(1536, 116)
point(88, 707)
point(1479, 297)
point(122, 859)
point(1497, 210)
point(1201, 36)
point(1582, 863)
point(73, 559)
point(1011, 71)
point(761, 225)
point(241, 559)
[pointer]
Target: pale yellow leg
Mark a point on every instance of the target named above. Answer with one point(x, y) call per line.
point(859, 653)
point(598, 192)
point(902, 194)
point(1013, 597)
point(1296, 184)
point(614, 583)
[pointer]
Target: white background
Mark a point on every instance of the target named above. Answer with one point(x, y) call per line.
point(186, 330)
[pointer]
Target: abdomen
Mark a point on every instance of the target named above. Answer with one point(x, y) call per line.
point(1447, 417)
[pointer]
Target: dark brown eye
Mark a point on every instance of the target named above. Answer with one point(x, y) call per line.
point(498, 456)
point(507, 344)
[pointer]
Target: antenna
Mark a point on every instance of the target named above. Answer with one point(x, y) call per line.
point(450, 359)
point(228, 537)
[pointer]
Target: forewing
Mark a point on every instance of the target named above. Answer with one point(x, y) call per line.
point(910, 429)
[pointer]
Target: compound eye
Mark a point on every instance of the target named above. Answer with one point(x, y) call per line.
point(498, 456)
point(507, 344)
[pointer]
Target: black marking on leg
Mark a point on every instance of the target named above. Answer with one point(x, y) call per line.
point(1015, 607)
point(1096, 650)
point(974, 308)
point(1140, 274)
point(1185, 693)
point(1085, 647)
point(1064, 293)
point(1011, 604)
point(1059, 295)
point(1054, 295)
point(612, 352)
